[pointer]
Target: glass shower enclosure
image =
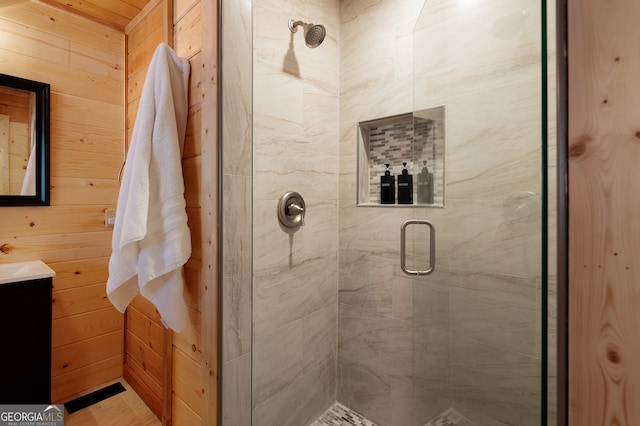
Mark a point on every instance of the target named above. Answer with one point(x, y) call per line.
point(407, 314)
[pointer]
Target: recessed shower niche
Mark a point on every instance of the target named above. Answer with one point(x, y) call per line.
point(413, 141)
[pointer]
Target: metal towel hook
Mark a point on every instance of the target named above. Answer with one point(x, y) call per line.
point(121, 171)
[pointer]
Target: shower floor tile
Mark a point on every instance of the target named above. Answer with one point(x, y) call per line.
point(449, 418)
point(339, 415)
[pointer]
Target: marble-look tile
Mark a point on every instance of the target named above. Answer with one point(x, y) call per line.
point(278, 249)
point(495, 310)
point(276, 96)
point(236, 87)
point(431, 300)
point(432, 391)
point(236, 391)
point(271, 32)
point(381, 398)
point(299, 293)
point(277, 360)
point(295, 273)
point(493, 163)
point(497, 101)
point(492, 236)
point(320, 123)
point(366, 281)
point(237, 277)
point(495, 384)
point(375, 341)
point(303, 401)
point(375, 230)
point(306, 161)
point(376, 99)
point(320, 336)
point(402, 306)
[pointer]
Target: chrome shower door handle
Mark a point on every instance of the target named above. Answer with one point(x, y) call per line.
point(403, 248)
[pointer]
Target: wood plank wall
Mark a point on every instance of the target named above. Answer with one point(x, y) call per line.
point(191, 392)
point(604, 242)
point(83, 62)
point(144, 355)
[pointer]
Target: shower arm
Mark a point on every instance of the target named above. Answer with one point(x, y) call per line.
point(293, 25)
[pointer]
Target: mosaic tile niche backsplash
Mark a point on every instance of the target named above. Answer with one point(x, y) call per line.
point(406, 138)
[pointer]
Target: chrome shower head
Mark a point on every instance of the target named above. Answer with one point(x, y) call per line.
point(313, 33)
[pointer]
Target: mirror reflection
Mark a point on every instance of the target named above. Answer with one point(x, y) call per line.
point(17, 141)
point(24, 142)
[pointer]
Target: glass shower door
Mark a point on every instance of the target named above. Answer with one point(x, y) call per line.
point(476, 318)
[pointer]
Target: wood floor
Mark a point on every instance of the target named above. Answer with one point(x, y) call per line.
point(125, 408)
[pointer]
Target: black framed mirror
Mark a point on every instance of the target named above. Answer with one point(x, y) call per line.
point(24, 142)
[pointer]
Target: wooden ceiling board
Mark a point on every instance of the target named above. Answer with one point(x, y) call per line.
point(114, 13)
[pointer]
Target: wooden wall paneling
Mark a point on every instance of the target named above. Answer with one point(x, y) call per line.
point(95, 87)
point(146, 338)
point(190, 396)
point(83, 63)
point(144, 355)
point(78, 273)
point(55, 247)
point(189, 340)
point(67, 384)
point(604, 211)
point(84, 191)
point(187, 381)
point(52, 220)
point(193, 140)
point(75, 31)
point(191, 170)
point(145, 386)
point(77, 328)
point(193, 284)
point(182, 7)
point(115, 14)
point(79, 300)
point(86, 352)
point(188, 33)
point(183, 414)
point(209, 201)
point(4, 154)
point(89, 136)
point(147, 330)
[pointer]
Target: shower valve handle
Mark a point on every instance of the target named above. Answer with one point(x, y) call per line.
point(291, 210)
point(295, 210)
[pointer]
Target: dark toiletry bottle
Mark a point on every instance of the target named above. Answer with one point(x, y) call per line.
point(425, 185)
point(387, 187)
point(405, 186)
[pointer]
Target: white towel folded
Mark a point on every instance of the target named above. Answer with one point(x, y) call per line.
point(151, 239)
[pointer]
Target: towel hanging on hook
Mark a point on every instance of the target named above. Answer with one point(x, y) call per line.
point(151, 238)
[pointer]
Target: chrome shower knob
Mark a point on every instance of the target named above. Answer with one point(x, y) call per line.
point(291, 210)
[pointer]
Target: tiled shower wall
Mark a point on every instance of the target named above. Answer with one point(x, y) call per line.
point(467, 335)
point(488, 77)
point(376, 361)
point(237, 212)
point(295, 111)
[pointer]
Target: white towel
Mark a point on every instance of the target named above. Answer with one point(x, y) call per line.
point(151, 239)
point(29, 181)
